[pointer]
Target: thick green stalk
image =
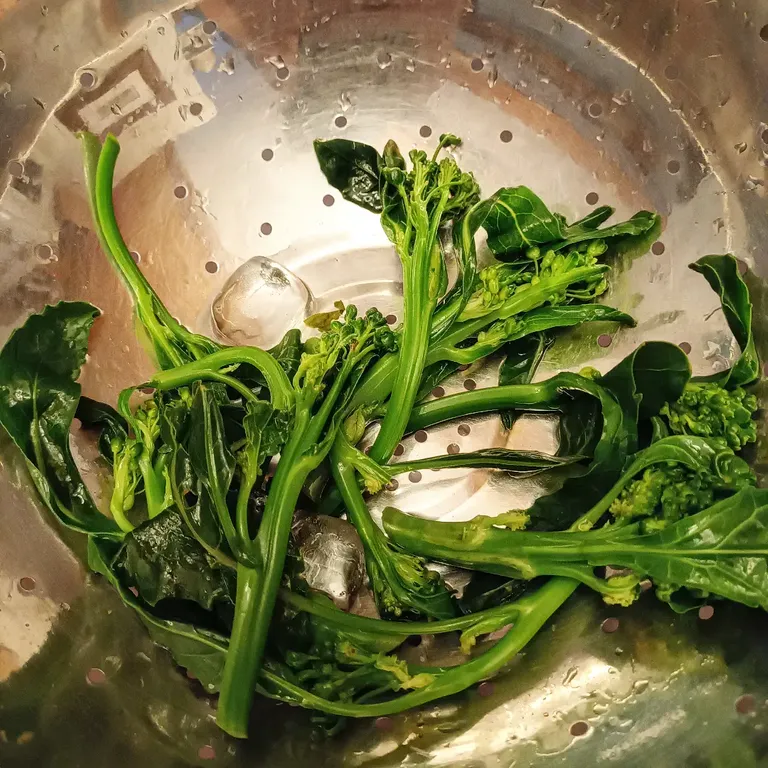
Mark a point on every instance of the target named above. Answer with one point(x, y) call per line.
point(243, 662)
point(530, 397)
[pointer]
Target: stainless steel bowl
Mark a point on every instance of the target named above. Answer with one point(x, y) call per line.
point(661, 105)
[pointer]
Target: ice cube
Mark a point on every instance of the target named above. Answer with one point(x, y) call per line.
point(259, 303)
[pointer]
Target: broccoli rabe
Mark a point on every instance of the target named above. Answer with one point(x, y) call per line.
point(664, 494)
point(500, 282)
point(709, 410)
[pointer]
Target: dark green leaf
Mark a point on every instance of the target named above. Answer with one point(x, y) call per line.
point(162, 560)
point(96, 415)
point(594, 218)
point(200, 651)
point(519, 219)
point(639, 224)
point(516, 462)
point(722, 273)
point(39, 368)
point(520, 364)
point(288, 351)
point(353, 169)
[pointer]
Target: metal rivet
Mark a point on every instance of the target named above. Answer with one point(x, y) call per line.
point(267, 154)
point(485, 689)
point(15, 168)
point(745, 704)
point(210, 27)
point(464, 429)
point(657, 248)
point(685, 346)
point(673, 166)
point(414, 476)
point(706, 612)
point(136, 256)
point(414, 640)
point(400, 449)
point(595, 109)
point(206, 753)
point(87, 78)
point(477, 65)
point(211, 267)
point(610, 625)
point(391, 319)
point(283, 73)
point(421, 436)
point(592, 198)
point(671, 72)
point(147, 390)
point(196, 109)
point(180, 192)
point(453, 448)
point(470, 384)
point(340, 121)
point(764, 33)
point(27, 584)
point(328, 200)
point(425, 131)
point(604, 340)
point(266, 228)
point(96, 676)
point(393, 485)
point(579, 728)
point(506, 136)
point(438, 392)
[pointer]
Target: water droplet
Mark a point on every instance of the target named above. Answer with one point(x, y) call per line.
point(493, 76)
point(640, 686)
point(259, 303)
point(741, 147)
point(570, 675)
point(410, 65)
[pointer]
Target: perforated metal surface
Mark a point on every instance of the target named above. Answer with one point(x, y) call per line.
point(641, 105)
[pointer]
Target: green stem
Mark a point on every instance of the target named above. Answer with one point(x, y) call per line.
point(209, 367)
point(532, 397)
point(243, 661)
point(534, 610)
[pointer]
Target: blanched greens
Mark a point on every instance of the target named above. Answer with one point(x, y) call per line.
point(210, 469)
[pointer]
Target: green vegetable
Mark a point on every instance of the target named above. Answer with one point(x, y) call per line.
point(709, 410)
point(39, 368)
point(520, 220)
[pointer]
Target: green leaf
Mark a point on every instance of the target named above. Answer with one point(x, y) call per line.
point(433, 375)
point(638, 385)
point(162, 560)
point(202, 652)
point(519, 219)
point(39, 393)
point(519, 366)
point(722, 273)
point(288, 351)
point(95, 415)
point(321, 321)
point(212, 460)
point(353, 169)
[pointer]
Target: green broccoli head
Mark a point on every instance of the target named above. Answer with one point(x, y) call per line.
point(404, 586)
point(498, 283)
point(665, 493)
point(709, 410)
point(352, 339)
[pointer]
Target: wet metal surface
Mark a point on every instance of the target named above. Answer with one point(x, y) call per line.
point(640, 105)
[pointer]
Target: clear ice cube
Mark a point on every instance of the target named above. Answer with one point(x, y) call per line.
point(259, 303)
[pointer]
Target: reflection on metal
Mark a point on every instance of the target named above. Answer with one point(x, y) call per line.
point(657, 105)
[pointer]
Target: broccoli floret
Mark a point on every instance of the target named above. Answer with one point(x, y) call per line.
point(665, 493)
point(499, 283)
point(709, 410)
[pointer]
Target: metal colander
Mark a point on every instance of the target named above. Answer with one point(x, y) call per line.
point(660, 105)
